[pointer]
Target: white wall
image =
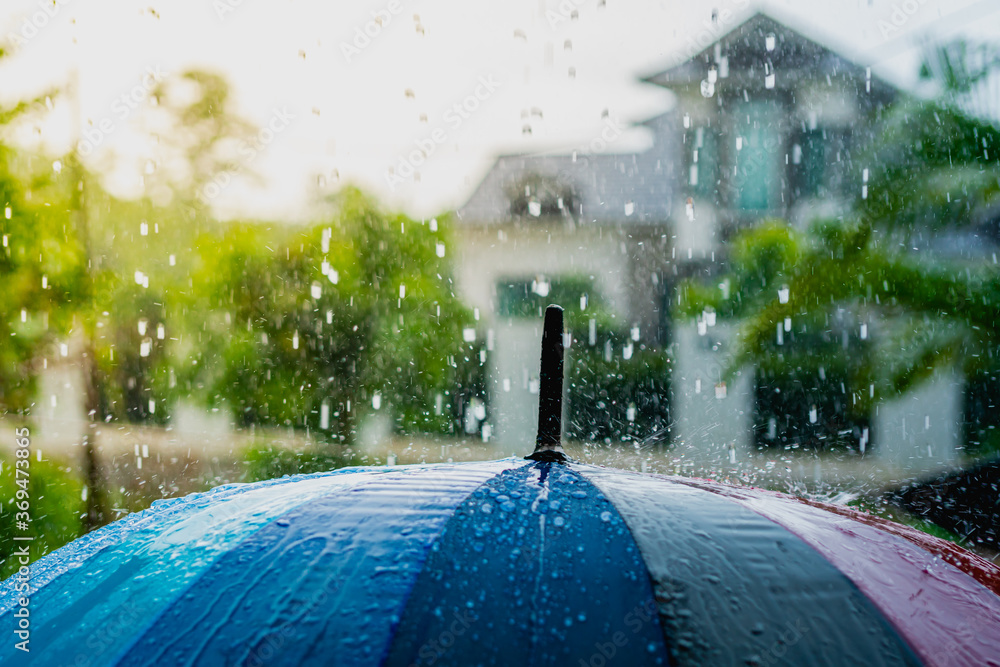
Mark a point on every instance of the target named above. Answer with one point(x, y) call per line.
point(705, 426)
point(922, 430)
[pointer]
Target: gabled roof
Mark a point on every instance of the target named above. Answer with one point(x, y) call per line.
point(792, 56)
point(642, 188)
point(606, 188)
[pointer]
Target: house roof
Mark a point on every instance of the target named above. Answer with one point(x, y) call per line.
point(792, 55)
point(642, 188)
point(603, 188)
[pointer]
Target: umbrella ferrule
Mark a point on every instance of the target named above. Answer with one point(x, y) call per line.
point(548, 444)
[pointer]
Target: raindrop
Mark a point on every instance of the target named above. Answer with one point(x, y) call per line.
point(333, 276)
point(45, 282)
point(788, 324)
point(145, 347)
point(8, 212)
point(402, 291)
point(316, 290)
point(469, 335)
point(635, 333)
point(720, 390)
point(534, 208)
point(434, 224)
point(709, 316)
point(64, 349)
point(143, 325)
point(440, 249)
point(377, 400)
point(324, 415)
point(813, 415)
point(295, 340)
point(24, 315)
point(541, 286)
point(707, 88)
point(864, 331)
point(627, 351)
point(783, 294)
point(689, 209)
point(769, 41)
point(630, 412)
point(161, 331)
point(173, 260)
point(687, 121)
point(57, 166)
point(629, 208)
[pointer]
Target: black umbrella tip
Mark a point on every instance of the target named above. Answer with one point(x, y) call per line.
point(548, 445)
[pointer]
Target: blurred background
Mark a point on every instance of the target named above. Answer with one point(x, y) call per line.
point(242, 240)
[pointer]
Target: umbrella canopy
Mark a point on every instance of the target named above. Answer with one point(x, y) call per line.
point(510, 562)
point(513, 562)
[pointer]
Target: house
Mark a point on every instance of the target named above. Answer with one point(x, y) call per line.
point(765, 125)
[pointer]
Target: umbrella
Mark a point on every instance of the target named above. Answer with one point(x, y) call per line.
point(537, 561)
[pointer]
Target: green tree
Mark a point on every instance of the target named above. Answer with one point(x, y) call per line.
point(932, 168)
point(317, 328)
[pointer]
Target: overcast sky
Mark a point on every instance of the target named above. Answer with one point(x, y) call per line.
point(358, 108)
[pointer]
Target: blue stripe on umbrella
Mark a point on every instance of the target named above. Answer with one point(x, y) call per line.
point(67, 558)
point(87, 614)
point(535, 568)
point(324, 583)
point(738, 589)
